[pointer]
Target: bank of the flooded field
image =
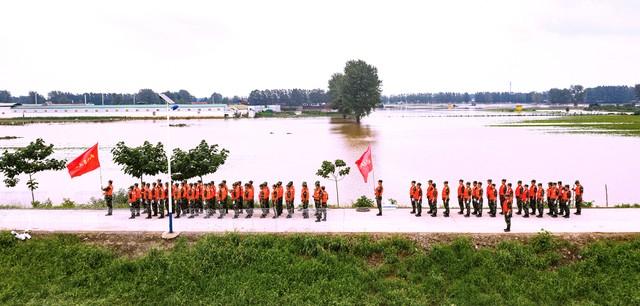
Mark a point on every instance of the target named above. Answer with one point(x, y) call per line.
point(235, 269)
point(625, 125)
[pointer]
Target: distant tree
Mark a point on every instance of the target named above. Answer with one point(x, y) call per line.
point(147, 96)
point(577, 93)
point(139, 161)
point(202, 160)
point(215, 98)
point(336, 84)
point(361, 88)
point(335, 172)
point(559, 95)
point(29, 160)
point(637, 91)
point(5, 96)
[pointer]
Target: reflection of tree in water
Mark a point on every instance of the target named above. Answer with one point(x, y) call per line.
point(355, 134)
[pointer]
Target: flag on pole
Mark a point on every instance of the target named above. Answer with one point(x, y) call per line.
point(365, 164)
point(86, 162)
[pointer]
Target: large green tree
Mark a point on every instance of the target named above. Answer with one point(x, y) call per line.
point(5, 96)
point(202, 160)
point(29, 160)
point(334, 171)
point(146, 159)
point(357, 90)
point(577, 93)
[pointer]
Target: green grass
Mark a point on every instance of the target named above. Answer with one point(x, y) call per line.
point(627, 125)
point(237, 269)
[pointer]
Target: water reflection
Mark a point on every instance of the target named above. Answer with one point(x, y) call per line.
point(355, 135)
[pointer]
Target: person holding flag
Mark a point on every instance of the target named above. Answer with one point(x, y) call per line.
point(87, 162)
point(108, 197)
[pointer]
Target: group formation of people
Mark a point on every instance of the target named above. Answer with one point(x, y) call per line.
point(470, 195)
point(192, 199)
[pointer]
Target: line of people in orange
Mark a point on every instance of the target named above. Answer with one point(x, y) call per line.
point(193, 199)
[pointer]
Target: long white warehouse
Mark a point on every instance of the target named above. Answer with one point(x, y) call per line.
point(89, 110)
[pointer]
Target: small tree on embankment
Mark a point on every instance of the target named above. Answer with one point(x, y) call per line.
point(29, 160)
point(335, 172)
point(139, 161)
point(202, 160)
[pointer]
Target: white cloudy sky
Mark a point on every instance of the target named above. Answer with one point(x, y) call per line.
point(235, 46)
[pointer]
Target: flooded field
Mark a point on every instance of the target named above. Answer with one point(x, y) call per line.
point(406, 145)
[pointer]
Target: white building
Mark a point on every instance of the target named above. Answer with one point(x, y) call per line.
point(136, 111)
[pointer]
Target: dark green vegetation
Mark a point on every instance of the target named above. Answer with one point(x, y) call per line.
point(627, 125)
point(356, 91)
point(9, 137)
point(319, 270)
point(28, 160)
point(293, 114)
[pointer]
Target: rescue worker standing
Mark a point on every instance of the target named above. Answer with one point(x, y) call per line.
point(418, 199)
point(501, 193)
point(108, 197)
point(480, 199)
point(304, 198)
point(132, 202)
point(467, 199)
point(289, 198)
point(277, 209)
point(445, 198)
point(491, 200)
point(378, 194)
point(533, 192)
point(317, 194)
point(540, 200)
point(412, 193)
point(507, 207)
point(323, 207)
point(524, 196)
point(461, 196)
point(434, 200)
point(579, 190)
point(248, 198)
point(519, 190)
point(264, 199)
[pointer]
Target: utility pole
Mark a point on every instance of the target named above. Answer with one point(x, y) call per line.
point(102, 99)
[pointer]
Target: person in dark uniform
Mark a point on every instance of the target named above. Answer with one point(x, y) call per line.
point(108, 197)
point(579, 190)
point(507, 207)
point(418, 199)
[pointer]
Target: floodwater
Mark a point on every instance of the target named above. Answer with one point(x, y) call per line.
point(406, 145)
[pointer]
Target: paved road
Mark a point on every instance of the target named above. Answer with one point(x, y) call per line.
point(339, 220)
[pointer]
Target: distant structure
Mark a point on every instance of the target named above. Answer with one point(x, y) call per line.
point(9, 110)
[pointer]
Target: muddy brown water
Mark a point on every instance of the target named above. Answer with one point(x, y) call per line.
point(406, 145)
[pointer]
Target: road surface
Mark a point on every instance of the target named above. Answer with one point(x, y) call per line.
point(339, 221)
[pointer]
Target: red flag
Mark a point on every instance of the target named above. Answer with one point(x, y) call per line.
point(365, 164)
point(86, 162)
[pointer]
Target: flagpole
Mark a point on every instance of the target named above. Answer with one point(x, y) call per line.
point(169, 171)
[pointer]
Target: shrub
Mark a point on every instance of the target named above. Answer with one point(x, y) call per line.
point(45, 204)
point(67, 203)
point(362, 201)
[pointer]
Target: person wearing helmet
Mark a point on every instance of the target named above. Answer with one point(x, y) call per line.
point(289, 198)
point(317, 195)
point(304, 198)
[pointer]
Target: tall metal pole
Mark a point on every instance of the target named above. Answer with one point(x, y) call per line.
point(169, 170)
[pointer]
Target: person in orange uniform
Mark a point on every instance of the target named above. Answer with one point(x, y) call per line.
point(430, 196)
point(240, 198)
point(290, 198)
point(540, 200)
point(132, 202)
point(524, 198)
point(474, 197)
point(552, 198)
point(150, 203)
point(234, 199)
point(518, 197)
point(317, 195)
point(155, 198)
point(461, 196)
point(495, 199)
point(279, 199)
point(378, 194)
point(566, 199)
point(274, 201)
point(108, 197)
point(208, 200)
point(418, 198)
point(223, 193)
point(434, 200)
point(507, 207)
point(264, 199)
point(467, 199)
point(176, 197)
point(248, 199)
point(579, 190)
point(138, 195)
point(143, 199)
point(198, 197)
point(323, 206)
point(191, 197)
point(533, 192)
point(480, 199)
point(184, 204)
point(304, 198)
point(412, 193)
point(161, 199)
point(490, 198)
point(501, 192)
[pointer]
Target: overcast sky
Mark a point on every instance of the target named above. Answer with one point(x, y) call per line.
point(233, 47)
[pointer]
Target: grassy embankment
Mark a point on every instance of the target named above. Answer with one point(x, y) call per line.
point(234, 269)
point(627, 125)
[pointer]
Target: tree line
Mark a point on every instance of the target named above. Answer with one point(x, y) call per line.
point(303, 97)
